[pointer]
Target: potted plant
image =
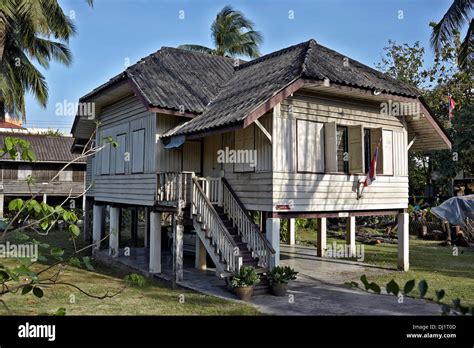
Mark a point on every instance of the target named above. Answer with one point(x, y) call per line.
point(279, 278)
point(244, 282)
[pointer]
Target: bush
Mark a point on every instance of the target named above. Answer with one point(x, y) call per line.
point(247, 276)
point(282, 275)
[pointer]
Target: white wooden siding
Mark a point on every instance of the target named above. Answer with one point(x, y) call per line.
point(334, 192)
point(310, 146)
point(167, 160)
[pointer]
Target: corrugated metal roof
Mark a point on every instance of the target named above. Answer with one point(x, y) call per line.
point(221, 94)
point(258, 80)
point(46, 148)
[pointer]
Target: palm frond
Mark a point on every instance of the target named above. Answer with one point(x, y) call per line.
point(453, 19)
point(197, 48)
point(465, 51)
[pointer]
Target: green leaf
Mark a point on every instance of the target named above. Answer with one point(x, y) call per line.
point(15, 204)
point(87, 263)
point(8, 143)
point(38, 292)
point(3, 276)
point(74, 230)
point(375, 288)
point(26, 289)
point(440, 294)
point(74, 261)
point(409, 286)
point(60, 312)
point(135, 279)
point(423, 288)
point(364, 281)
point(392, 287)
point(44, 224)
point(57, 252)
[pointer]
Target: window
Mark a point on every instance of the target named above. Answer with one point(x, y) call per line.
point(342, 150)
point(120, 154)
point(105, 160)
point(387, 140)
point(355, 141)
point(310, 146)
point(65, 175)
point(24, 171)
point(245, 145)
point(367, 152)
point(374, 137)
point(138, 151)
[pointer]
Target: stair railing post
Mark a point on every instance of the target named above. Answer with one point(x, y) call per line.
point(238, 263)
point(220, 192)
point(191, 196)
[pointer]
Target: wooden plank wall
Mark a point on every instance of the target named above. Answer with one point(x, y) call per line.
point(334, 192)
point(124, 117)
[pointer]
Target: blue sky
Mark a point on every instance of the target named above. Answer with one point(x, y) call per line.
point(116, 32)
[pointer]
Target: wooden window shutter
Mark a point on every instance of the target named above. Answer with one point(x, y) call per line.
point(138, 151)
point(120, 154)
point(310, 146)
point(355, 137)
point(330, 139)
point(387, 146)
point(376, 136)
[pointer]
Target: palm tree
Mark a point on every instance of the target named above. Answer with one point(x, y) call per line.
point(25, 31)
point(457, 15)
point(233, 34)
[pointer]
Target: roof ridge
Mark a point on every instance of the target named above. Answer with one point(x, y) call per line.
point(273, 54)
point(311, 45)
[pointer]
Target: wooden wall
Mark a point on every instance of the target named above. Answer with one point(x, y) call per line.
point(334, 191)
point(127, 186)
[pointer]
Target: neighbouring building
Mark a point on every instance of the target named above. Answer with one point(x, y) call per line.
point(53, 153)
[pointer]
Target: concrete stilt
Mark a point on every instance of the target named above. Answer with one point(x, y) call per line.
point(350, 234)
point(2, 202)
point(273, 236)
point(155, 242)
point(403, 242)
point(321, 237)
point(114, 231)
point(291, 231)
point(200, 262)
point(98, 212)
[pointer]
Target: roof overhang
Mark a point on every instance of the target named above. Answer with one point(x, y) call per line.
point(430, 134)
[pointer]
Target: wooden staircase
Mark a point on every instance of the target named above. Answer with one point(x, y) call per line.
point(228, 246)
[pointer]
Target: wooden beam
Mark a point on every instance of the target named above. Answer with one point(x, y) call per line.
point(333, 214)
point(264, 131)
point(270, 103)
point(412, 141)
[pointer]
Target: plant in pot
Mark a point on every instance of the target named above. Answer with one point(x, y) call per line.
point(279, 278)
point(244, 282)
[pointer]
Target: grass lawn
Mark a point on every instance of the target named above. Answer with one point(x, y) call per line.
point(428, 260)
point(154, 298)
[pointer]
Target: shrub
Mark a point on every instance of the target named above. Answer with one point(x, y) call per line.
point(247, 276)
point(282, 275)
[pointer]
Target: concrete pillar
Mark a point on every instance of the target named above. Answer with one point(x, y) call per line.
point(147, 227)
point(178, 231)
point(273, 236)
point(86, 206)
point(291, 231)
point(351, 234)
point(321, 225)
point(114, 231)
point(2, 202)
point(98, 212)
point(403, 242)
point(45, 198)
point(200, 261)
point(155, 242)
